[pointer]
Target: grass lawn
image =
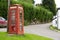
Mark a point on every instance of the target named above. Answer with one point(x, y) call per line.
point(5, 36)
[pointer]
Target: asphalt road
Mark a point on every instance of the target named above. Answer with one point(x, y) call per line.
point(40, 29)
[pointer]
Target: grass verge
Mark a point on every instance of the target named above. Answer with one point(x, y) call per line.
point(5, 36)
point(54, 28)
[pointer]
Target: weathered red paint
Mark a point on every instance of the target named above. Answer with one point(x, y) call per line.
point(15, 21)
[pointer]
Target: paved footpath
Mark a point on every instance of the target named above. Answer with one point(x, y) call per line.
point(40, 29)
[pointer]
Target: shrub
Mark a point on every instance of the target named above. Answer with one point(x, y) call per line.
point(50, 5)
point(40, 13)
point(27, 1)
point(30, 13)
point(43, 15)
point(3, 9)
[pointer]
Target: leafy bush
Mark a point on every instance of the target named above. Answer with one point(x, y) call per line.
point(26, 22)
point(41, 14)
point(50, 5)
point(30, 13)
point(27, 1)
point(3, 9)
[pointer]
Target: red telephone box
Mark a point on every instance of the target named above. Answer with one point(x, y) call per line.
point(16, 19)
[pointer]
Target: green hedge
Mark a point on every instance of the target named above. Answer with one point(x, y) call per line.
point(3, 9)
point(50, 5)
point(27, 1)
point(31, 12)
point(41, 14)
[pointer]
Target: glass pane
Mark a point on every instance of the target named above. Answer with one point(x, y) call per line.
point(20, 21)
point(13, 17)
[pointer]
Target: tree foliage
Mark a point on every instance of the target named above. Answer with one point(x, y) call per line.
point(3, 8)
point(30, 13)
point(28, 1)
point(50, 5)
